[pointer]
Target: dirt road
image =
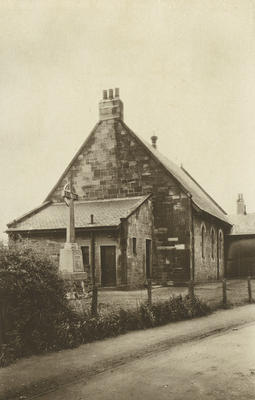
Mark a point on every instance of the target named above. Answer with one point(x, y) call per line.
point(45, 373)
point(218, 367)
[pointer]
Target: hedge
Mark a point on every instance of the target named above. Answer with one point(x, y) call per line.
point(37, 318)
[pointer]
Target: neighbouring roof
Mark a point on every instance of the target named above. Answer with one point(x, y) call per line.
point(55, 215)
point(199, 196)
point(242, 224)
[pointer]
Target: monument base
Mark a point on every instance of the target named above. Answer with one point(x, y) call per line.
point(70, 261)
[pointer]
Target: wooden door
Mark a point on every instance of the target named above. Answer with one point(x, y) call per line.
point(108, 265)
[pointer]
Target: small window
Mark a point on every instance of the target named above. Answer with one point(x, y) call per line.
point(134, 245)
point(203, 241)
point(212, 243)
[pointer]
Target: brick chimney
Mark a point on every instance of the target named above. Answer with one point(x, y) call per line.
point(110, 106)
point(241, 207)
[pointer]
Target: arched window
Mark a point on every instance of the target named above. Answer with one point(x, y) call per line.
point(203, 241)
point(220, 245)
point(212, 243)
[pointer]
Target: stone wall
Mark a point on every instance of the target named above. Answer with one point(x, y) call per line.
point(139, 228)
point(50, 241)
point(208, 267)
point(53, 242)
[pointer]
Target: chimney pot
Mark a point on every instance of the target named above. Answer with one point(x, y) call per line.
point(241, 207)
point(110, 107)
point(154, 141)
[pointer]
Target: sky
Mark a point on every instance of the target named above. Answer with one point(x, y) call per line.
point(185, 69)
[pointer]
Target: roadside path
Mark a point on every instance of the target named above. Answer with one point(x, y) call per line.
point(221, 366)
point(45, 373)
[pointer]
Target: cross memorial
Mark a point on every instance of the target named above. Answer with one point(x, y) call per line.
point(70, 261)
point(69, 196)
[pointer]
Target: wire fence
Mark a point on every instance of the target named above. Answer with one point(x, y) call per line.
point(219, 294)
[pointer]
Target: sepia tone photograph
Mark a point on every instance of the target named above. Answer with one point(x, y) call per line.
point(127, 221)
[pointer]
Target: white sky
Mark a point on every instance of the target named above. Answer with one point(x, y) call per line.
point(185, 69)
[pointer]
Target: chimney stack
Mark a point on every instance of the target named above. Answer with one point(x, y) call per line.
point(241, 207)
point(110, 107)
point(154, 141)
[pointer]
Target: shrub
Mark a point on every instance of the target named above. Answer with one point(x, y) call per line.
point(36, 317)
point(118, 321)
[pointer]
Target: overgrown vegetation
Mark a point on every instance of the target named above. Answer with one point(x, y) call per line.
point(36, 316)
point(119, 321)
point(33, 304)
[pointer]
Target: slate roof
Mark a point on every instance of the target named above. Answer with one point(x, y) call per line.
point(199, 196)
point(242, 224)
point(55, 215)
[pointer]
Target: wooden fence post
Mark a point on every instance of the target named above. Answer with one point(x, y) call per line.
point(224, 292)
point(149, 292)
point(191, 289)
point(249, 289)
point(93, 271)
point(94, 301)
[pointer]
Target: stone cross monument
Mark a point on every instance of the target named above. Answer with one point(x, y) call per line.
point(70, 261)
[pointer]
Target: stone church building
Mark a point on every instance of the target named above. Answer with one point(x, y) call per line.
point(149, 217)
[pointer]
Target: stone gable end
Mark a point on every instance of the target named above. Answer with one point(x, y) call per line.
point(114, 164)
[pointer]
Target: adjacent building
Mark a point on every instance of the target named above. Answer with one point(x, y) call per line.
point(150, 217)
point(241, 242)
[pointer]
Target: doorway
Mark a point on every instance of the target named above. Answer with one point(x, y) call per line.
point(85, 257)
point(108, 266)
